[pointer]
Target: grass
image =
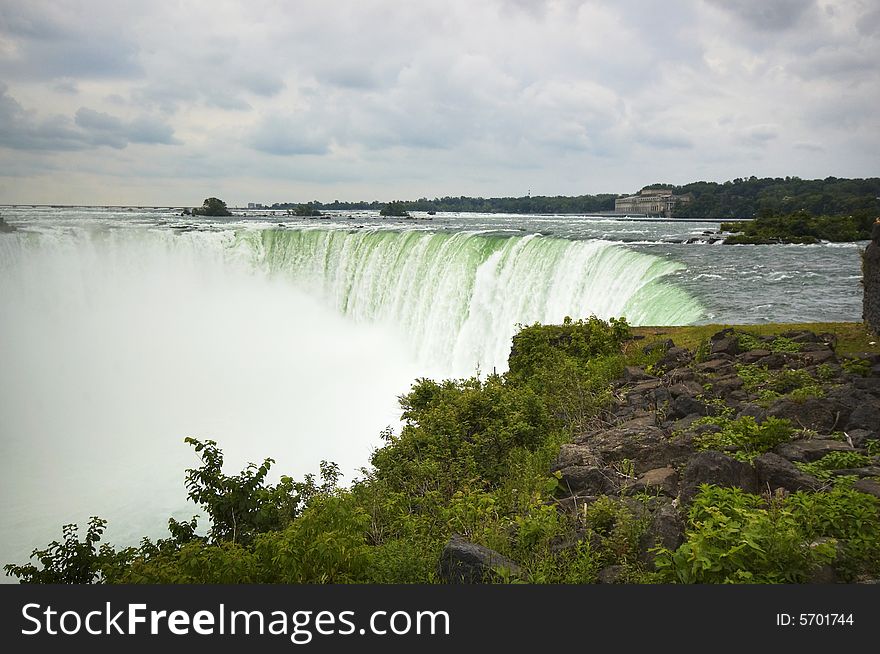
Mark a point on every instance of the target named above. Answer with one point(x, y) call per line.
point(852, 337)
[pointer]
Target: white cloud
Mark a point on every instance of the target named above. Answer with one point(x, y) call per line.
point(397, 99)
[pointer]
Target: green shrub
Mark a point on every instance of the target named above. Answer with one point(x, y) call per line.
point(744, 435)
point(735, 537)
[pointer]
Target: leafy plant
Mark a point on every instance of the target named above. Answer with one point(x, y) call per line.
point(744, 435)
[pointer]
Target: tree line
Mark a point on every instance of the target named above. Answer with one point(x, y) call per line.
point(735, 199)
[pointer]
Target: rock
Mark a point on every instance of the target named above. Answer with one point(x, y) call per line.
point(712, 467)
point(666, 530)
point(656, 480)
point(810, 450)
point(463, 562)
point(726, 385)
point(819, 356)
point(647, 447)
point(572, 454)
point(590, 480)
point(775, 361)
point(724, 342)
point(868, 486)
point(753, 356)
point(860, 437)
point(715, 366)
point(633, 374)
point(820, 414)
point(611, 574)
point(774, 471)
point(867, 471)
point(864, 416)
point(684, 405)
point(753, 410)
point(675, 357)
point(689, 388)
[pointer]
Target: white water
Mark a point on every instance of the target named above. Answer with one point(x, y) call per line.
point(118, 342)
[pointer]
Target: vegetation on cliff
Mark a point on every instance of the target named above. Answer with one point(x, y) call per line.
point(604, 454)
point(800, 227)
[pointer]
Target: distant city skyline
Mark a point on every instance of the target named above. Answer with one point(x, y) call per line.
point(148, 103)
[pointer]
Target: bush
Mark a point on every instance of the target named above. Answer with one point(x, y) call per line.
point(744, 435)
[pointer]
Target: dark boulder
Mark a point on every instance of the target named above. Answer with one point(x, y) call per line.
point(811, 450)
point(664, 346)
point(463, 562)
point(666, 530)
point(753, 356)
point(864, 416)
point(821, 414)
point(774, 471)
point(632, 374)
point(724, 342)
point(868, 486)
point(685, 405)
point(711, 467)
point(675, 357)
point(646, 446)
point(586, 480)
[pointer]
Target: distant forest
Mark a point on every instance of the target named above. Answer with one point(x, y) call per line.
point(740, 198)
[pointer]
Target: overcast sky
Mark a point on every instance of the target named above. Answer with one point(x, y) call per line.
point(143, 102)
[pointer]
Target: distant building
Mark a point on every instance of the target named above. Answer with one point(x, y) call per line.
point(650, 201)
point(255, 205)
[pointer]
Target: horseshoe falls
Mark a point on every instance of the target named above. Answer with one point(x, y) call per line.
point(123, 335)
point(456, 298)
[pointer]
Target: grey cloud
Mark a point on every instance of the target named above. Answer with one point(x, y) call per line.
point(836, 62)
point(66, 86)
point(869, 23)
point(22, 130)
point(759, 134)
point(51, 43)
point(260, 83)
point(766, 15)
point(286, 136)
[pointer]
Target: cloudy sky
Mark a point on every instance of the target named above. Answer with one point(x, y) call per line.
point(155, 102)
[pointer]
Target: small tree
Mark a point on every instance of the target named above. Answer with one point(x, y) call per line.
point(212, 207)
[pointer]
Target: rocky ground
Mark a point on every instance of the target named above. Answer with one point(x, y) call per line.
point(653, 440)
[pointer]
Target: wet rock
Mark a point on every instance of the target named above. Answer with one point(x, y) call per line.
point(774, 471)
point(810, 450)
point(463, 562)
point(712, 467)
